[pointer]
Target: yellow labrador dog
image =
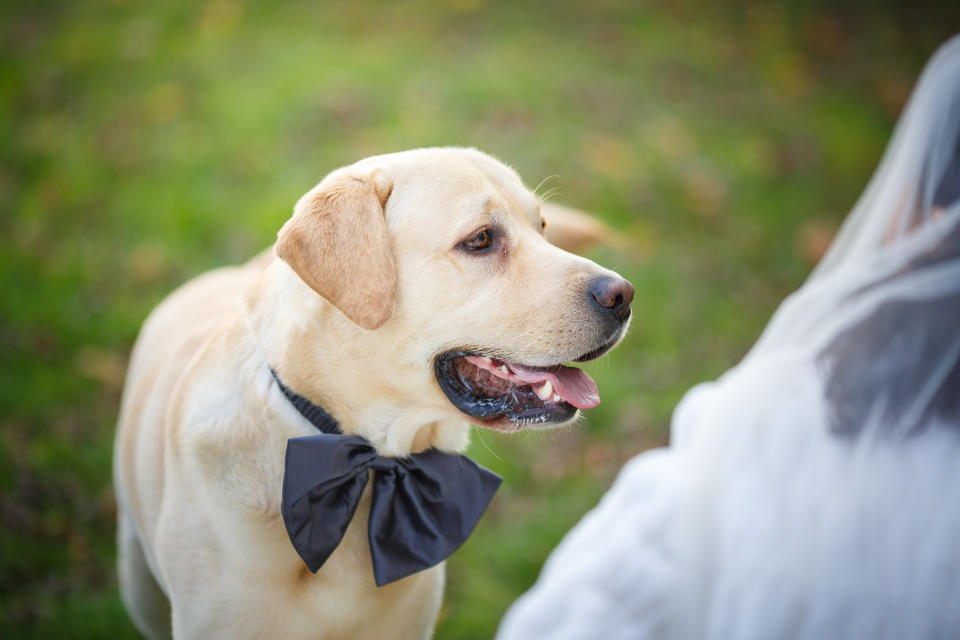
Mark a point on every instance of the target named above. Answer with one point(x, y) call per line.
point(408, 295)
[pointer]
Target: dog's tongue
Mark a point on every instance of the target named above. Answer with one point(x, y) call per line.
point(573, 385)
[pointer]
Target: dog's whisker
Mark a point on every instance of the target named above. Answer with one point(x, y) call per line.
point(549, 193)
point(537, 188)
point(486, 446)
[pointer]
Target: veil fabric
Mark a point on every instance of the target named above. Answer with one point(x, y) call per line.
point(811, 491)
point(882, 309)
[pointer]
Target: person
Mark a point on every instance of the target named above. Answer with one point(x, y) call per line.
point(812, 491)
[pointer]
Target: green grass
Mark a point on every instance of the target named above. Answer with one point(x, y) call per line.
point(143, 144)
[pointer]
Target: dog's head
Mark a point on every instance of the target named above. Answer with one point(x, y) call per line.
point(455, 299)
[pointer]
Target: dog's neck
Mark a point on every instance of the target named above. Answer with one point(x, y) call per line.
point(322, 356)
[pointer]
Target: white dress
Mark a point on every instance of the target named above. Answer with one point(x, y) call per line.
point(813, 491)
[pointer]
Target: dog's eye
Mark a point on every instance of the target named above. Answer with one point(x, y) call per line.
point(543, 224)
point(479, 241)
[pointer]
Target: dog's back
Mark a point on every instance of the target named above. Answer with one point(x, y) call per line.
point(170, 338)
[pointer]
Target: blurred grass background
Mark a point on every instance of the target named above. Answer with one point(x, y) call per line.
point(141, 144)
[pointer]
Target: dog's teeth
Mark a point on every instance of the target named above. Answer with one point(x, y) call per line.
point(556, 397)
point(544, 391)
point(486, 359)
point(503, 368)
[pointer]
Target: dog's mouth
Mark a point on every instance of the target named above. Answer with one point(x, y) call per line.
point(509, 396)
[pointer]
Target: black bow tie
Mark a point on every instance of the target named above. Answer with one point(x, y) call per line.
point(423, 508)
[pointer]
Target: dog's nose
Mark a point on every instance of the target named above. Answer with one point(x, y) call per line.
point(613, 294)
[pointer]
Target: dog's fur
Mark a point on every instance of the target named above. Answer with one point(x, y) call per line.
point(370, 285)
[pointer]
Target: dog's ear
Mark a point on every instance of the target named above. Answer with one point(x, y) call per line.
point(575, 231)
point(338, 243)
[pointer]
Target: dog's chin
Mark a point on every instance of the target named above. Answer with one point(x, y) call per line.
point(498, 394)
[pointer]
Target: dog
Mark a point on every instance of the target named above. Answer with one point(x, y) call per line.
point(409, 295)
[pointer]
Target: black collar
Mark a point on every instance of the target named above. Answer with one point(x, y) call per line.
point(317, 416)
